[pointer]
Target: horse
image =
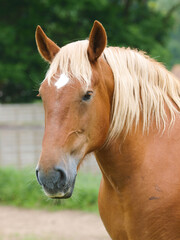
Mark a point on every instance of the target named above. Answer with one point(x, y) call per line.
point(124, 107)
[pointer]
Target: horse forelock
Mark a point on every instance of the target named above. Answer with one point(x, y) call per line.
point(72, 61)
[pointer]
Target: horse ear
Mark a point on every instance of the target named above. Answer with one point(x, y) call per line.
point(97, 41)
point(47, 48)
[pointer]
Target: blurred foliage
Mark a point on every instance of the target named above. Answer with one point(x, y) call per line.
point(174, 43)
point(135, 23)
point(20, 188)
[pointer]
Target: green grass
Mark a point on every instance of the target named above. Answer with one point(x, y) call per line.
point(20, 188)
point(32, 237)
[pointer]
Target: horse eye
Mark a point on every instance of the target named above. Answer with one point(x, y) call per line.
point(87, 96)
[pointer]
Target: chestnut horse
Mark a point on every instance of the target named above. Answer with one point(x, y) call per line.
point(125, 107)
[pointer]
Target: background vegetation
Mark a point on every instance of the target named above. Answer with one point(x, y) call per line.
point(20, 188)
point(143, 24)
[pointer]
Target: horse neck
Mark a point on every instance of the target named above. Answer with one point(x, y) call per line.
point(126, 160)
point(120, 159)
point(123, 159)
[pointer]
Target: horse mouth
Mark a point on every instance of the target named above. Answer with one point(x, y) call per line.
point(67, 195)
point(59, 195)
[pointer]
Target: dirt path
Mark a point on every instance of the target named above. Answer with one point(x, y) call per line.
point(23, 224)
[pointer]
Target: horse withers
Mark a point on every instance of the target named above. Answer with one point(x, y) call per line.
point(125, 107)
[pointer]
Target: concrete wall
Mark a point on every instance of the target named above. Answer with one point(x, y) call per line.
point(21, 114)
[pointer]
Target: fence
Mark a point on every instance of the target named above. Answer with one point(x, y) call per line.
point(21, 132)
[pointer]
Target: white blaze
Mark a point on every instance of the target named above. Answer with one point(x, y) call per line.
point(62, 81)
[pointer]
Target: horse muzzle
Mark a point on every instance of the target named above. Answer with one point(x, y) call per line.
point(55, 182)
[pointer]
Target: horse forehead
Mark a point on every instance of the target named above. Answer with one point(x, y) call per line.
point(62, 81)
point(55, 83)
point(61, 84)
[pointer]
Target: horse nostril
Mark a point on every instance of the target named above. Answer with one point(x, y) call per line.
point(62, 175)
point(37, 176)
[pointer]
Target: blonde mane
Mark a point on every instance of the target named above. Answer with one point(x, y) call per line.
point(142, 87)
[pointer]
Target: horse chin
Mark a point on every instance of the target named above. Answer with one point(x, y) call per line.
point(67, 195)
point(59, 195)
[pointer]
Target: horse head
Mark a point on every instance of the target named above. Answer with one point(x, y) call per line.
point(76, 94)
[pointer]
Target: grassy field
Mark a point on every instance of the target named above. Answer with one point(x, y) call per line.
point(33, 237)
point(30, 237)
point(20, 188)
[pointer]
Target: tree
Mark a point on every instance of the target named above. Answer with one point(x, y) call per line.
point(133, 23)
point(172, 9)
